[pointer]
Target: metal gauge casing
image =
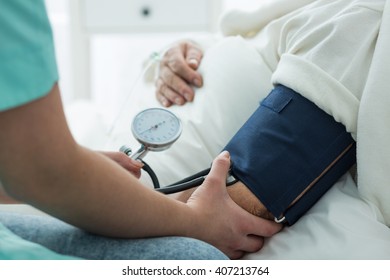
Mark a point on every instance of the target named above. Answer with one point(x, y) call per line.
point(156, 128)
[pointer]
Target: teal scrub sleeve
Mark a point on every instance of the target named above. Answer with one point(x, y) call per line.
point(28, 71)
point(28, 68)
point(12, 247)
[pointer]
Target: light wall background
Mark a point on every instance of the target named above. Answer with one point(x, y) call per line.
point(115, 59)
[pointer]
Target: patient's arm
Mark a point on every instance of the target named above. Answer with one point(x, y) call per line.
point(241, 195)
point(248, 201)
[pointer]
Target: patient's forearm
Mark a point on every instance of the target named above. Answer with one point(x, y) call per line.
point(248, 201)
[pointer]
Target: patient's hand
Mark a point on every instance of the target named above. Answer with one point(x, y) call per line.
point(240, 195)
point(178, 74)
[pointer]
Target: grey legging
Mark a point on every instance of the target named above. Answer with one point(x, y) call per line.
point(68, 240)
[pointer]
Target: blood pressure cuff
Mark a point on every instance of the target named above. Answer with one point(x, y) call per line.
point(289, 153)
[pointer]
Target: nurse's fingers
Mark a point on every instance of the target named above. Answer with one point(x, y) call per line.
point(131, 165)
point(263, 227)
point(253, 244)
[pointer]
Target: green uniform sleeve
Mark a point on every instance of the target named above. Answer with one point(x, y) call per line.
point(13, 247)
point(28, 67)
point(28, 71)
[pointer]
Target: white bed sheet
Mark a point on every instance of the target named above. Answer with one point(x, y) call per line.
point(340, 226)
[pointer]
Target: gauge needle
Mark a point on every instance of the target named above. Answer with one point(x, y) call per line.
point(153, 127)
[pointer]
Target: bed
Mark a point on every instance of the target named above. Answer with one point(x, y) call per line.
point(344, 224)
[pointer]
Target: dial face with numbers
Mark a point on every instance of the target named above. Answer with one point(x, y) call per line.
point(156, 128)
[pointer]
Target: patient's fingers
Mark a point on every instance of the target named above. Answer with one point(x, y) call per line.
point(193, 55)
point(165, 93)
point(181, 59)
point(179, 90)
point(178, 74)
point(162, 99)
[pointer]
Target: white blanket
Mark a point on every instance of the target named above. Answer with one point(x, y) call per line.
point(373, 126)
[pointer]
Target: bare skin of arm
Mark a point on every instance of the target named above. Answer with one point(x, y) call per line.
point(133, 166)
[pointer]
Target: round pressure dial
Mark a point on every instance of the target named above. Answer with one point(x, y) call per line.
point(156, 128)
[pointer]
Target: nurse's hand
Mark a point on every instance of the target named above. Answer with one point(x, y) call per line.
point(225, 224)
point(131, 165)
point(178, 74)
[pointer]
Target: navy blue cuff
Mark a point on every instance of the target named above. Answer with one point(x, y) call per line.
point(289, 153)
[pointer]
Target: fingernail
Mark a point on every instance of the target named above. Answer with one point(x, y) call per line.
point(138, 163)
point(197, 82)
point(179, 101)
point(225, 154)
point(193, 62)
point(165, 103)
point(188, 96)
